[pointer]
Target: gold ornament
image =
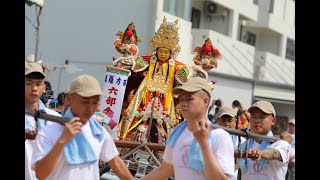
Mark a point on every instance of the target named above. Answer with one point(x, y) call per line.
point(166, 37)
point(158, 83)
point(183, 74)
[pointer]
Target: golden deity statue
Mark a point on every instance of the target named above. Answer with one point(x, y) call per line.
point(152, 80)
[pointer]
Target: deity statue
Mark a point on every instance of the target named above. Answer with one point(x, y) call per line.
point(127, 46)
point(153, 78)
point(207, 56)
point(129, 36)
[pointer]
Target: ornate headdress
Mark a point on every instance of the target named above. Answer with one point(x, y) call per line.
point(167, 37)
point(131, 24)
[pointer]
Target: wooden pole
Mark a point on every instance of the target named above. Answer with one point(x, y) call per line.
point(43, 115)
point(161, 147)
point(243, 134)
point(63, 120)
point(132, 144)
point(150, 122)
point(156, 146)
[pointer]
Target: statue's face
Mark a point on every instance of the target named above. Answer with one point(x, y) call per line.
point(208, 42)
point(131, 27)
point(163, 54)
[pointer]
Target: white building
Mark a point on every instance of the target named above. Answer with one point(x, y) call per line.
point(255, 37)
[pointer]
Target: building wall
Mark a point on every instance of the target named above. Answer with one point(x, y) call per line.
point(230, 89)
point(216, 23)
point(272, 68)
point(264, 5)
point(268, 41)
point(280, 20)
point(290, 19)
point(245, 7)
point(237, 57)
point(285, 10)
point(179, 8)
point(81, 30)
point(287, 110)
point(270, 92)
point(290, 13)
point(278, 9)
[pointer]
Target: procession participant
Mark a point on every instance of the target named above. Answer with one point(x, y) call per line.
point(65, 102)
point(227, 118)
point(73, 150)
point(291, 166)
point(286, 136)
point(193, 151)
point(34, 89)
point(45, 101)
point(269, 160)
point(60, 102)
point(243, 115)
point(218, 103)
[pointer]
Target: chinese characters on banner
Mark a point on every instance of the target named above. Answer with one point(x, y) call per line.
point(115, 83)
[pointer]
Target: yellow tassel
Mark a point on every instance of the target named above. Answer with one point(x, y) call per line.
point(149, 76)
point(168, 94)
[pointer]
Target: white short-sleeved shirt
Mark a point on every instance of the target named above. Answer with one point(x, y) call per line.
point(293, 146)
point(274, 169)
point(221, 147)
point(30, 124)
point(235, 141)
point(105, 150)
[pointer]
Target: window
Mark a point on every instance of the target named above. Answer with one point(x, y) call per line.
point(290, 52)
point(170, 6)
point(271, 6)
point(249, 38)
point(195, 18)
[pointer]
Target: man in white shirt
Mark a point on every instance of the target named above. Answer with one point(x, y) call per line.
point(34, 88)
point(269, 160)
point(227, 118)
point(193, 150)
point(73, 150)
point(291, 166)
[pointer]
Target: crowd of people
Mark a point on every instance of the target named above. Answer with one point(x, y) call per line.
point(237, 117)
point(193, 150)
point(241, 115)
point(71, 150)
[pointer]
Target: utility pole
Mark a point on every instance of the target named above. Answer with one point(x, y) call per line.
point(38, 13)
point(38, 7)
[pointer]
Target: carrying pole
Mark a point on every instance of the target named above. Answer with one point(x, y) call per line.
point(62, 120)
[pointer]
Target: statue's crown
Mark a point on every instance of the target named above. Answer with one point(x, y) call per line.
point(166, 37)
